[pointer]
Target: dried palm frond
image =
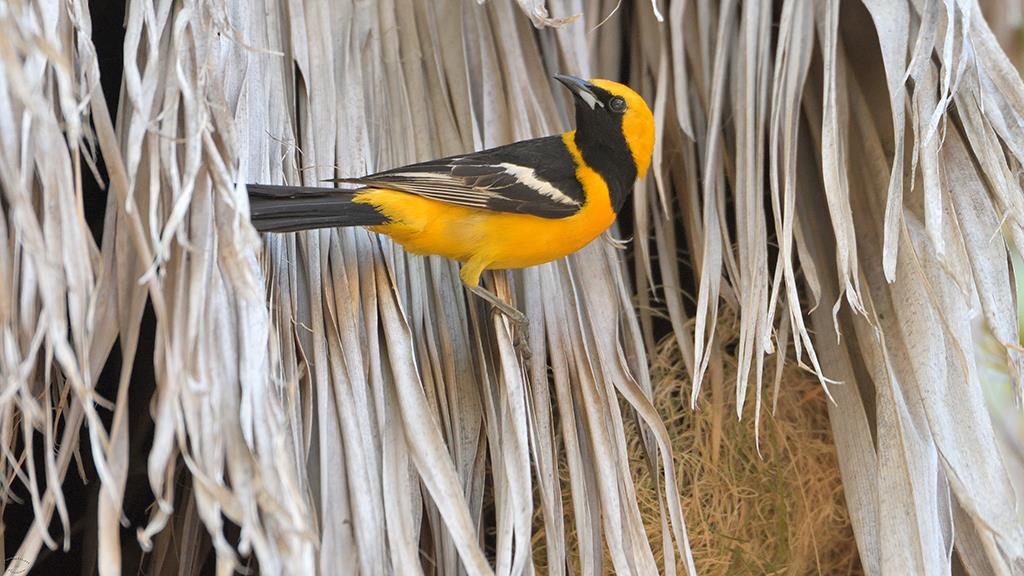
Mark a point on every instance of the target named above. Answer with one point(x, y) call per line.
point(887, 137)
point(773, 507)
point(844, 176)
point(362, 419)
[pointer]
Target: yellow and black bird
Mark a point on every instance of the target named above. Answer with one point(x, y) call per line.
point(513, 206)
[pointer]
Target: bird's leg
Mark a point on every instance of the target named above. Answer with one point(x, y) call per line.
point(515, 315)
point(470, 274)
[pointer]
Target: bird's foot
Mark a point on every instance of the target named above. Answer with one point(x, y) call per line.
point(520, 322)
point(521, 329)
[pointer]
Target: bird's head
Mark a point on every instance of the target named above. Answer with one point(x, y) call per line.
point(614, 128)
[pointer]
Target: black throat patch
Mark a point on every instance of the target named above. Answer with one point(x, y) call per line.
point(604, 148)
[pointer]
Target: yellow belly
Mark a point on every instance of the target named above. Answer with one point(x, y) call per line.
point(486, 240)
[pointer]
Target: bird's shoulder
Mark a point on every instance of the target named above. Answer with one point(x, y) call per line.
point(535, 177)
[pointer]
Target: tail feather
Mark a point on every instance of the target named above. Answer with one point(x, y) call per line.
point(294, 208)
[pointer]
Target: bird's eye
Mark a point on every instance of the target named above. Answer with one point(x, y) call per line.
point(617, 104)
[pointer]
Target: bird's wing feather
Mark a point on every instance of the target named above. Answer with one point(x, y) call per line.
point(535, 177)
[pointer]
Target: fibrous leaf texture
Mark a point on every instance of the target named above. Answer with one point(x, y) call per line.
point(845, 176)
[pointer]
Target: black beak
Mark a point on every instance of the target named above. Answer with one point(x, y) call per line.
point(581, 89)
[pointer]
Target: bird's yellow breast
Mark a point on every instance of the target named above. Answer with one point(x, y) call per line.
point(486, 240)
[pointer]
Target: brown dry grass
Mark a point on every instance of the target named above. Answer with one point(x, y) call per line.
point(782, 512)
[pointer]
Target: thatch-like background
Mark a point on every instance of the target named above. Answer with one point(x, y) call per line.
point(839, 179)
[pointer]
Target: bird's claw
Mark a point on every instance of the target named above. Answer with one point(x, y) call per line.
point(520, 324)
point(522, 331)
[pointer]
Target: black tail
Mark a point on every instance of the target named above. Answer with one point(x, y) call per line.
point(293, 208)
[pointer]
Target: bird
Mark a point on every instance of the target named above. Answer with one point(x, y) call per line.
point(514, 206)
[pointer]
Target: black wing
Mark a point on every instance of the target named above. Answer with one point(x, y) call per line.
point(535, 177)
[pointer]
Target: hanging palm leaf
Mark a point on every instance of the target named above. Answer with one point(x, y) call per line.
point(884, 138)
point(842, 177)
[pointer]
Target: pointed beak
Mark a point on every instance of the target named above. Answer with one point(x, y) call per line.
point(581, 89)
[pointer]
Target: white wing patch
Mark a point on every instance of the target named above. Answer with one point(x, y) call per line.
point(501, 186)
point(528, 177)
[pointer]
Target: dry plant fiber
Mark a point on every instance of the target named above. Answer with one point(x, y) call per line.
point(772, 505)
point(842, 179)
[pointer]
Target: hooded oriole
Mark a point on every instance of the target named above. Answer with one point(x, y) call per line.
point(513, 206)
